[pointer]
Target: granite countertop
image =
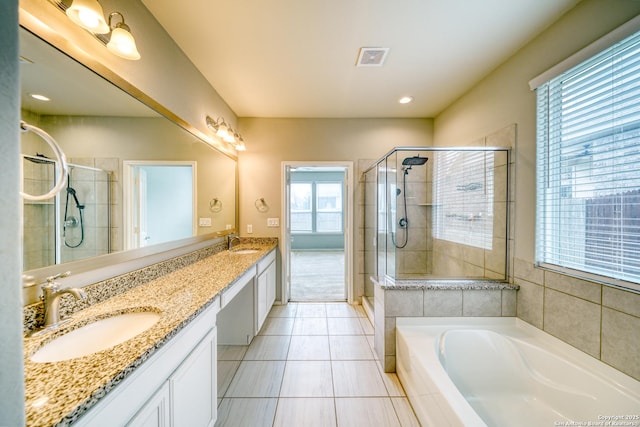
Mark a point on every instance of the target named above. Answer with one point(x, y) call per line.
point(60, 392)
point(390, 284)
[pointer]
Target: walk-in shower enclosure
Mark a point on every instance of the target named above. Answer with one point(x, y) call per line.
point(437, 213)
point(73, 225)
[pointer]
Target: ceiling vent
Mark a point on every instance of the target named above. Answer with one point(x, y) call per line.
point(372, 56)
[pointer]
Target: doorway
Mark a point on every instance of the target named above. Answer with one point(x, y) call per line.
point(317, 238)
point(159, 201)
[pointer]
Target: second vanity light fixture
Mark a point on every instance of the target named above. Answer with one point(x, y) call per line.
point(225, 133)
point(88, 14)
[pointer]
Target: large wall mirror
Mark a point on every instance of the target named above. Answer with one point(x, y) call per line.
point(131, 169)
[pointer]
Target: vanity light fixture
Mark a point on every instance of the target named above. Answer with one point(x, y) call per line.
point(224, 132)
point(240, 143)
point(89, 15)
point(122, 42)
point(219, 126)
point(116, 35)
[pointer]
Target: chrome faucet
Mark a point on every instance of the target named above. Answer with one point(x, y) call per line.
point(231, 238)
point(51, 293)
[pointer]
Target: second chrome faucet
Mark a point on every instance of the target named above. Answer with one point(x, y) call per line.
point(51, 293)
point(231, 239)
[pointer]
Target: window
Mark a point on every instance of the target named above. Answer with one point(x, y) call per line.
point(329, 207)
point(316, 207)
point(588, 167)
point(463, 194)
point(301, 212)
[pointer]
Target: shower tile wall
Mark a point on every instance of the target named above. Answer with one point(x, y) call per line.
point(366, 255)
point(39, 230)
point(93, 190)
point(415, 260)
point(456, 260)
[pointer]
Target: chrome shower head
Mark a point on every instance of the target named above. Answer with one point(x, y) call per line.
point(414, 161)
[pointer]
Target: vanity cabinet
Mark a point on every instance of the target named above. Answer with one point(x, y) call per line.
point(246, 303)
point(265, 288)
point(176, 387)
point(155, 413)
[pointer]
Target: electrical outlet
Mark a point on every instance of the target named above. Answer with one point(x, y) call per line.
point(205, 222)
point(249, 228)
point(273, 222)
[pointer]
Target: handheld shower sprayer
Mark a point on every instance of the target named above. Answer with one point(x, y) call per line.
point(71, 221)
point(407, 164)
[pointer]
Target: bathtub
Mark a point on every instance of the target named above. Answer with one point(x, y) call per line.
point(504, 372)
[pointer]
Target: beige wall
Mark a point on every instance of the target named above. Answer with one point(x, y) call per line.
point(272, 141)
point(601, 321)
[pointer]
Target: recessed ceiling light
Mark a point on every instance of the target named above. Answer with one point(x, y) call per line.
point(39, 97)
point(406, 100)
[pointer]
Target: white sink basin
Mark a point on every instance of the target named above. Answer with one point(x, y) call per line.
point(96, 336)
point(244, 251)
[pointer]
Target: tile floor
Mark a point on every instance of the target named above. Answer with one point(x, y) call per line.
point(311, 365)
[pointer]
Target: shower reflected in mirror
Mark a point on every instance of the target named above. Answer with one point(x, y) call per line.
point(73, 225)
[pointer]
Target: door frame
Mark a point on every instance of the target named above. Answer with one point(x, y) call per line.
point(285, 232)
point(127, 194)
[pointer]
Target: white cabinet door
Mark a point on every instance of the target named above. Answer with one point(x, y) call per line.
point(271, 285)
point(193, 386)
point(155, 413)
point(264, 294)
point(261, 300)
point(136, 393)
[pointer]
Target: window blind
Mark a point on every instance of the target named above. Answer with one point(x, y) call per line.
point(463, 195)
point(588, 166)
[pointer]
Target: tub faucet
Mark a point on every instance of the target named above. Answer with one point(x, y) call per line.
point(231, 238)
point(51, 293)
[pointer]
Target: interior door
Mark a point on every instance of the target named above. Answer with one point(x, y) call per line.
point(316, 232)
point(160, 202)
point(140, 229)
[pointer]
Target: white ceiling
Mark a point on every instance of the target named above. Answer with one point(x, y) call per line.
point(296, 58)
point(72, 88)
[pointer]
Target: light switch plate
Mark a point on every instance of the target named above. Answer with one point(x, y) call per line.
point(205, 222)
point(273, 222)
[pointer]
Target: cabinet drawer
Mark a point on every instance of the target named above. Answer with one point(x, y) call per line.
point(264, 262)
point(235, 289)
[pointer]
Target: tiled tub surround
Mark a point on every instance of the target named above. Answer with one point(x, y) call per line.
point(503, 371)
point(600, 320)
point(58, 393)
point(432, 298)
